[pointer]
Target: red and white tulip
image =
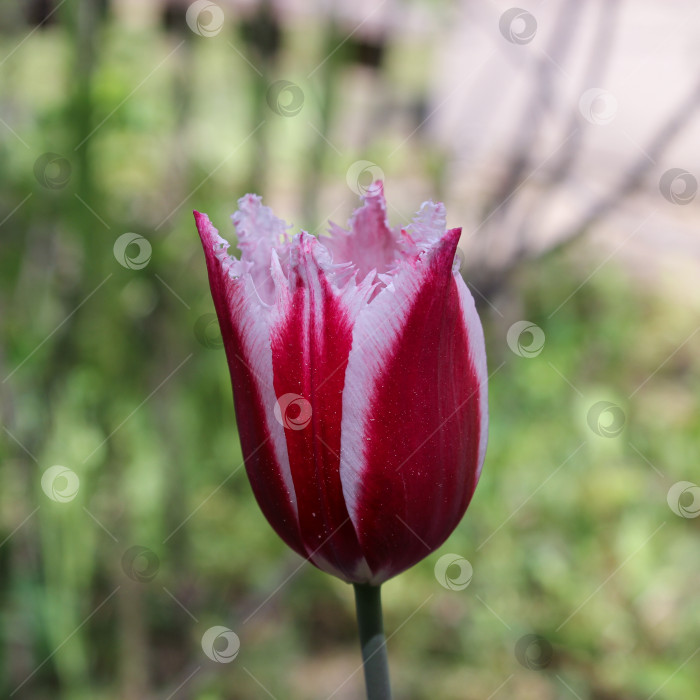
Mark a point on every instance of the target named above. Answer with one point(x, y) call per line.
point(359, 381)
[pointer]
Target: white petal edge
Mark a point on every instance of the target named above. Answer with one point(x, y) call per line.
point(253, 324)
point(477, 355)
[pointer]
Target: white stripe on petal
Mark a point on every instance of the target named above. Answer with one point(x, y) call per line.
point(477, 355)
point(254, 324)
point(251, 316)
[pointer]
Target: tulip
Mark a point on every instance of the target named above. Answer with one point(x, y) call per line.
point(359, 381)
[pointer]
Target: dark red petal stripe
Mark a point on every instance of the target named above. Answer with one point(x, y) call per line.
point(422, 439)
point(264, 472)
point(310, 347)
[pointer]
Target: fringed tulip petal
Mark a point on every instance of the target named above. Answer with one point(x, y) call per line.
point(412, 412)
point(370, 244)
point(245, 331)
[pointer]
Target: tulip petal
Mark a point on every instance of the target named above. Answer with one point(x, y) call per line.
point(414, 411)
point(311, 336)
point(427, 227)
point(259, 232)
point(244, 322)
point(370, 244)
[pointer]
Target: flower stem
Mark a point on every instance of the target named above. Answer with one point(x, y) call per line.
point(368, 602)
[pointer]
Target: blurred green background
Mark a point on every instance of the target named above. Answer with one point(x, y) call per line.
point(120, 118)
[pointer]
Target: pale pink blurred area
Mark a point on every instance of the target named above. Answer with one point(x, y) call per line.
point(560, 129)
point(610, 89)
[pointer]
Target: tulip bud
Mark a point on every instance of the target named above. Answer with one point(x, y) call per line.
point(359, 380)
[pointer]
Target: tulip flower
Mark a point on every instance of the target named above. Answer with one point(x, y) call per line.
point(359, 380)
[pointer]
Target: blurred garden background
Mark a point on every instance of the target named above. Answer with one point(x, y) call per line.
point(563, 137)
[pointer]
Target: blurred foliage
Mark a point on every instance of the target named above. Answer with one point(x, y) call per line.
point(106, 370)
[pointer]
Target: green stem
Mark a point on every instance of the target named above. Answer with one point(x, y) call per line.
point(374, 657)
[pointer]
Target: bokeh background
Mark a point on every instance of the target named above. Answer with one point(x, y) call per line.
point(563, 136)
